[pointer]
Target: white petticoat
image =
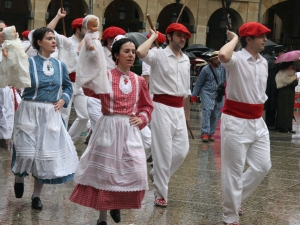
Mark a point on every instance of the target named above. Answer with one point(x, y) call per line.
point(42, 143)
point(115, 158)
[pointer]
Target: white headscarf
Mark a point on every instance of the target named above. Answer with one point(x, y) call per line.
point(86, 20)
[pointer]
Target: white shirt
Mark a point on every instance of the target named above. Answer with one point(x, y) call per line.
point(169, 75)
point(110, 64)
point(31, 51)
point(75, 43)
point(246, 78)
point(68, 49)
point(0, 53)
point(146, 68)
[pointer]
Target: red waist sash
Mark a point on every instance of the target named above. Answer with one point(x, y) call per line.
point(90, 93)
point(243, 110)
point(169, 100)
point(72, 76)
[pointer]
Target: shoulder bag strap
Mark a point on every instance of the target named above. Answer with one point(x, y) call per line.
point(214, 74)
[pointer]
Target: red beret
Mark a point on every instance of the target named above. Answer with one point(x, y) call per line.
point(253, 29)
point(25, 33)
point(76, 23)
point(160, 39)
point(178, 27)
point(112, 32)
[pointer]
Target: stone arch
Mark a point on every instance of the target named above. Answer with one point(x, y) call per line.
point(17, 15)
point(78, 9)
point(283, 19)
point(134, 18)
point(164, 18)
point(265, 5)
point(216, 36)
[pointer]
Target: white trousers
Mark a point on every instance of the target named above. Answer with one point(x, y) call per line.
point(170, 145)
point(94, 110)
point(80, 104)
point(242, 140)
point(7, 112)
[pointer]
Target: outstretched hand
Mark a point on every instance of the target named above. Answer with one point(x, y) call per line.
point(61, 12)
point(231, 35)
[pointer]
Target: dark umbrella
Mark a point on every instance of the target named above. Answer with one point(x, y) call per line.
point(197, 47)
point(138, 38)
point(190, 55)
point(269, 47)
point(204, 55)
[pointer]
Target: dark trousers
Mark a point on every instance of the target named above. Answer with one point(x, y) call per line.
point(270, 117)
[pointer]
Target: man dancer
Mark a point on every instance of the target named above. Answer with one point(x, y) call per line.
point(170, 84)
point(244, 134)
point(207, 86)
point(78, 98)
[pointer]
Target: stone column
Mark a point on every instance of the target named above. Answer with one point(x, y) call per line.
point(40, 9)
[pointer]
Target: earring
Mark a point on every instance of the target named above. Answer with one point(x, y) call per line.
point(116, 62)
point(40, 50)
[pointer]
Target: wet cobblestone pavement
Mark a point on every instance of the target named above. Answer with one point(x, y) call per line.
point(194, 191)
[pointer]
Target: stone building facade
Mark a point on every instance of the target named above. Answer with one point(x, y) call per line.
point(204, 18)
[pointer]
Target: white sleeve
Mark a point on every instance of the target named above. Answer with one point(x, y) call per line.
point(145, 69)
point(151, 57)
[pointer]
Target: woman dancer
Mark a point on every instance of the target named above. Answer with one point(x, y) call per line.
point(112, 173)
point(42, 145)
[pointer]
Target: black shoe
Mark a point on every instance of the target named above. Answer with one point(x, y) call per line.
point(271, 128)
point(36, 203)
point(292, 131)
point(101, 223)
point(116, 215)
point(19, 189)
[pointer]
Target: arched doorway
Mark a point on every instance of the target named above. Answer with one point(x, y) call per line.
point(216, 36)
point(17, 13)
point(77, 9)
point(283, 19)
point(169, 15)
point(125, 14)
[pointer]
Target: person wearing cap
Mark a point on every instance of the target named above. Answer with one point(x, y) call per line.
point(146, 68)
point(170, 84)
point(70, 57)
point(7, 105)
point(207, 87)
point(244, 133)
point(29, 50)
point(271, 90)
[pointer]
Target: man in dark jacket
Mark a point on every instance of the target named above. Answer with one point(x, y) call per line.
point(271, 90)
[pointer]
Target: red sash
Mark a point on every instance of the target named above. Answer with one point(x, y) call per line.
point(243, 110)
point(169, 100)
point(90, 93)
point(72, 76)
point(15, 99)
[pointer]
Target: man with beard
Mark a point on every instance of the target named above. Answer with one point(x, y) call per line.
point(170, 84)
